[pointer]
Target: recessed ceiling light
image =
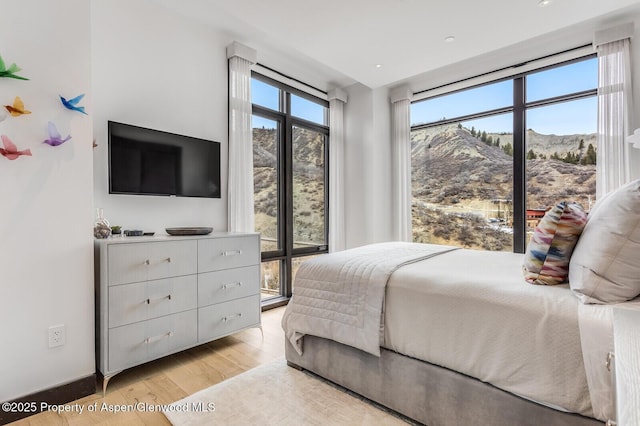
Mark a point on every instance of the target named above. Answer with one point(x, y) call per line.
point(378, 65)
point(543, 3)
point(449, 39)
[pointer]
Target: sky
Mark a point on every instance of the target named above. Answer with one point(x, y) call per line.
point(576, 117)
point(564, 119)
point(268, 96)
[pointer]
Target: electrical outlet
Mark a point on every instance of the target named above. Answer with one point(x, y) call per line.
point(57, 335)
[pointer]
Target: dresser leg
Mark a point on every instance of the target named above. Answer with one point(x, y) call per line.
point(261, 332)
point(105, 382)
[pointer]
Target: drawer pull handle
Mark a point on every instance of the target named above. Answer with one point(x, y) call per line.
point(146, 262)
point(610, 357)
point(238, 284)
point(231, 252)
point(238, 315)
point(156, 338)
point(168, 260)
point(148, 301)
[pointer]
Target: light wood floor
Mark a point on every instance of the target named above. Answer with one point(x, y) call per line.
point(174, 377)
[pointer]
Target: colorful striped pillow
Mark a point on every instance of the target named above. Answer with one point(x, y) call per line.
point(546, 261)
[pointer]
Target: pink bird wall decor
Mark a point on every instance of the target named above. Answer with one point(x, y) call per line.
point(10, 150)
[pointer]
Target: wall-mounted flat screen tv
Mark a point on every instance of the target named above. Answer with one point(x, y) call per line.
point(152, 162)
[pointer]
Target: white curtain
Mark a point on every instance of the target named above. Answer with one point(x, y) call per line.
point(337, 240)
point(401, 156)
point(614, 110)
point(240, 186)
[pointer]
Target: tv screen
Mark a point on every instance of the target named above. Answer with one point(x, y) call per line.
point(151, 162)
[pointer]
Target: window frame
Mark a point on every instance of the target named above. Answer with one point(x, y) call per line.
point(519, 110)
point(285, 174)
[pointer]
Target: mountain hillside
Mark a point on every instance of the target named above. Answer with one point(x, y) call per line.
point(462, 184)
point(547, 145)
point(308, 185)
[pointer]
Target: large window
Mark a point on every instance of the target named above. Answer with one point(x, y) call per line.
point(290, 147)
point(487, 162)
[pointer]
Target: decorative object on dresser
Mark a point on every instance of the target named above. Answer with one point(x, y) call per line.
point(189, 231)
point(101, 228)
point(157, 296)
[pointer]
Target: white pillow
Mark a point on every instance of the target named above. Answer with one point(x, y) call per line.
point(605, 265)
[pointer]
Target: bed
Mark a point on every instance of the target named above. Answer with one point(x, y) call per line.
point(450, 336)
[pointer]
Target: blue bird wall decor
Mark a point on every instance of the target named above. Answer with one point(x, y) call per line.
point(72, 104)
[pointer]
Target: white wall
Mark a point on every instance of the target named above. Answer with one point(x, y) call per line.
point(154, 68)
point(367, 166)
point(46, 213)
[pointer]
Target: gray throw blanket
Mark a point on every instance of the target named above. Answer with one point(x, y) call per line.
point(340, 296)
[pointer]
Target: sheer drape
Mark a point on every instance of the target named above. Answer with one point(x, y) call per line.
point(337, 239)
point(401, 155)
point(614, 109)
point(240, 194)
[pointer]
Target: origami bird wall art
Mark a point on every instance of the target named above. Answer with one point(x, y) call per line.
point(72, 104)
point(17, 109)
point(11, 71)
point(10, 150)
point(54, 136)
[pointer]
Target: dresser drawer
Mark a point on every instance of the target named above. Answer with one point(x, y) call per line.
point(134, 344)
point(129, 263)
point(225, 253)
point(229, 284)
point(225, 318)
point(129, 303)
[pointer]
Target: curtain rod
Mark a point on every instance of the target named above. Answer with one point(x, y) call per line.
point(505, 68)
point(291, 78)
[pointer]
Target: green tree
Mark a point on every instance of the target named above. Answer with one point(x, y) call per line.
point(508, 149)
point(531, 155)
point(473, 131)
point(581, 146)
point(590, 156)
point(483, 137)
point(570, 158)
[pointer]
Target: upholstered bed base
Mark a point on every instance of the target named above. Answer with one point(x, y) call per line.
point(424, 392)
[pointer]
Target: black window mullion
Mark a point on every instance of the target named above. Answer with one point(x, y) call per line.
point(326, 192)
point(288, 191)
point(519, 170)
point(279, 118)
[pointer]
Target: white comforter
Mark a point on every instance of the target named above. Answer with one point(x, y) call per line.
point(472, 312)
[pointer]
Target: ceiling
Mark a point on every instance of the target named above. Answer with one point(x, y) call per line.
point(381, 42)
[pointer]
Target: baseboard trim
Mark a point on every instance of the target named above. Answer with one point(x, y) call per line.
point(54, 396)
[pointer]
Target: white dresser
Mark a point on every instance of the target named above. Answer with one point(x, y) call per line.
point(160, 295)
